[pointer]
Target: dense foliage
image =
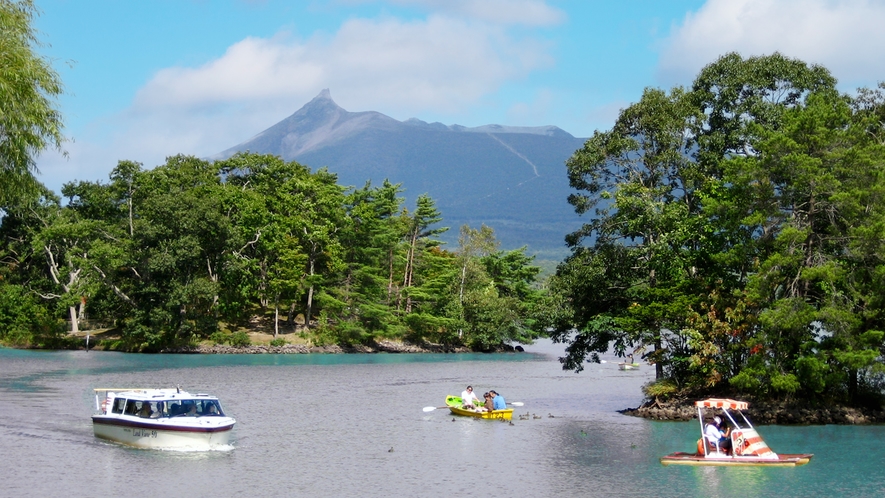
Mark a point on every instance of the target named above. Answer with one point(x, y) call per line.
point(29, 120)
point(173, 254)
point(735, 236)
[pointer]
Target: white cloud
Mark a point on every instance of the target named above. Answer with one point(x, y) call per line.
point(846, 36)
point(437, 64)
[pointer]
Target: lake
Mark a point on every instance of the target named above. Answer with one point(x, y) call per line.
point(353, 425)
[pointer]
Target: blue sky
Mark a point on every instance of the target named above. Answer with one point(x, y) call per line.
point(145, 80)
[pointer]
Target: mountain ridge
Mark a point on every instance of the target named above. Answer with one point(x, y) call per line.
point(512, 178)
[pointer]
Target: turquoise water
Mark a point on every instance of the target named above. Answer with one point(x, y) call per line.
point(324, 425)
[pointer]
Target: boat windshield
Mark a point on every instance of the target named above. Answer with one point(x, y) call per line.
point(168, 408)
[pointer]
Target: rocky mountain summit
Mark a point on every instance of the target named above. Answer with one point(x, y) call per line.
point(510, 178)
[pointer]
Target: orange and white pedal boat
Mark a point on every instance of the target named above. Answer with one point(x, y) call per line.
point(748, 448)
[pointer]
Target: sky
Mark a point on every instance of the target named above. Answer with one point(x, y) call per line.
point(148, 80)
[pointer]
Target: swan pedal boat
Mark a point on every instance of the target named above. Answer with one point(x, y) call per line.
point(455, 404)
point(748, 447)
point(161, 419)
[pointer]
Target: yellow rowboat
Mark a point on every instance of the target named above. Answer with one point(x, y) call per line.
point(455, 404)
point(743, 446)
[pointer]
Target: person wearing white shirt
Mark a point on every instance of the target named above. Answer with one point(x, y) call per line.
point(469, 399)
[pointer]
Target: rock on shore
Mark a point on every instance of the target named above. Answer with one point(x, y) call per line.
point(766, 413)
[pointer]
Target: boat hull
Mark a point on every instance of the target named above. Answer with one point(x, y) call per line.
point(454, 404)
point(628, 366)
point(496, 414)
point(782, 460)
point(161, 434)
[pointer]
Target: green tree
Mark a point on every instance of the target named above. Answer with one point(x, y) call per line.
point(421, 229)
point(737, 228)
point(29, 117)
point(639, 182)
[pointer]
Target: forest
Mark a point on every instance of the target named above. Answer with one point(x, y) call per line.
point(193, 250)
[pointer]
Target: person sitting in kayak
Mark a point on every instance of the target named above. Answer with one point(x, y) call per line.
point(489, 404)
point(714, 433)
point(498, 401)
point(469, 399)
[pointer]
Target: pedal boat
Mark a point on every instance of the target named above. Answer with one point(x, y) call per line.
point(161, 419)
point(748, 447)
point(455, 404)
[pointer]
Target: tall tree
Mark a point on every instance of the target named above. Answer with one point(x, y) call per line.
point(421, 228)
point(29, 118)
point(639, 181)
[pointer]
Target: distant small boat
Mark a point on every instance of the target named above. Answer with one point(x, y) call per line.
point(748, 448)
point(456, 404)
point(629, 364)
point(161, 418)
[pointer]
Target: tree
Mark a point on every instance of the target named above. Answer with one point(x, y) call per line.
point(737, 227)
point(640, 184)
point(426, 215)
point(29, 119)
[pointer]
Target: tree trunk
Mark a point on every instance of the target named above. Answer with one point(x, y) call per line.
point(262, 285)
point(309, 298)
point(290, 316)
point(276, 316)
point(75, 326)
point(659, 366)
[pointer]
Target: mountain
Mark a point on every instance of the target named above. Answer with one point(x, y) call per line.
point(510, 178)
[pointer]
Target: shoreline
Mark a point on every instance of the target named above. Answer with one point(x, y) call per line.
point(767, 413)
point(380, 347)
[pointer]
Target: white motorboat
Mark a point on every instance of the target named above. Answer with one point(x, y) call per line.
point(161, 418)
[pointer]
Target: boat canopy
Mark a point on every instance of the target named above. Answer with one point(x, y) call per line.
point(722, 403)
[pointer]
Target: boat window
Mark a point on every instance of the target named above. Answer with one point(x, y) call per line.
point(132, 407)
point(118, 405)
point(174, 409)
point(210, 407)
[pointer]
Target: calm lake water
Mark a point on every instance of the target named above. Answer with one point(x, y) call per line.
point(325, 425)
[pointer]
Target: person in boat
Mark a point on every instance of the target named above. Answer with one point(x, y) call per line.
point(192, 411)
point(489, 404)
point(713, 433)
point(630, 359)
point(469, 399)
point(498, 402)
point(145, 411)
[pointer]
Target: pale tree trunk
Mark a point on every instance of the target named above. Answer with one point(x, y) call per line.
point(407, 273)
point(81, 314)
point(75, 326)
point(390, 276)
point(276, 316)
point(659, 366)
point(262, 285)
point(213, 277)
point(73, 280)
point(309, 297)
